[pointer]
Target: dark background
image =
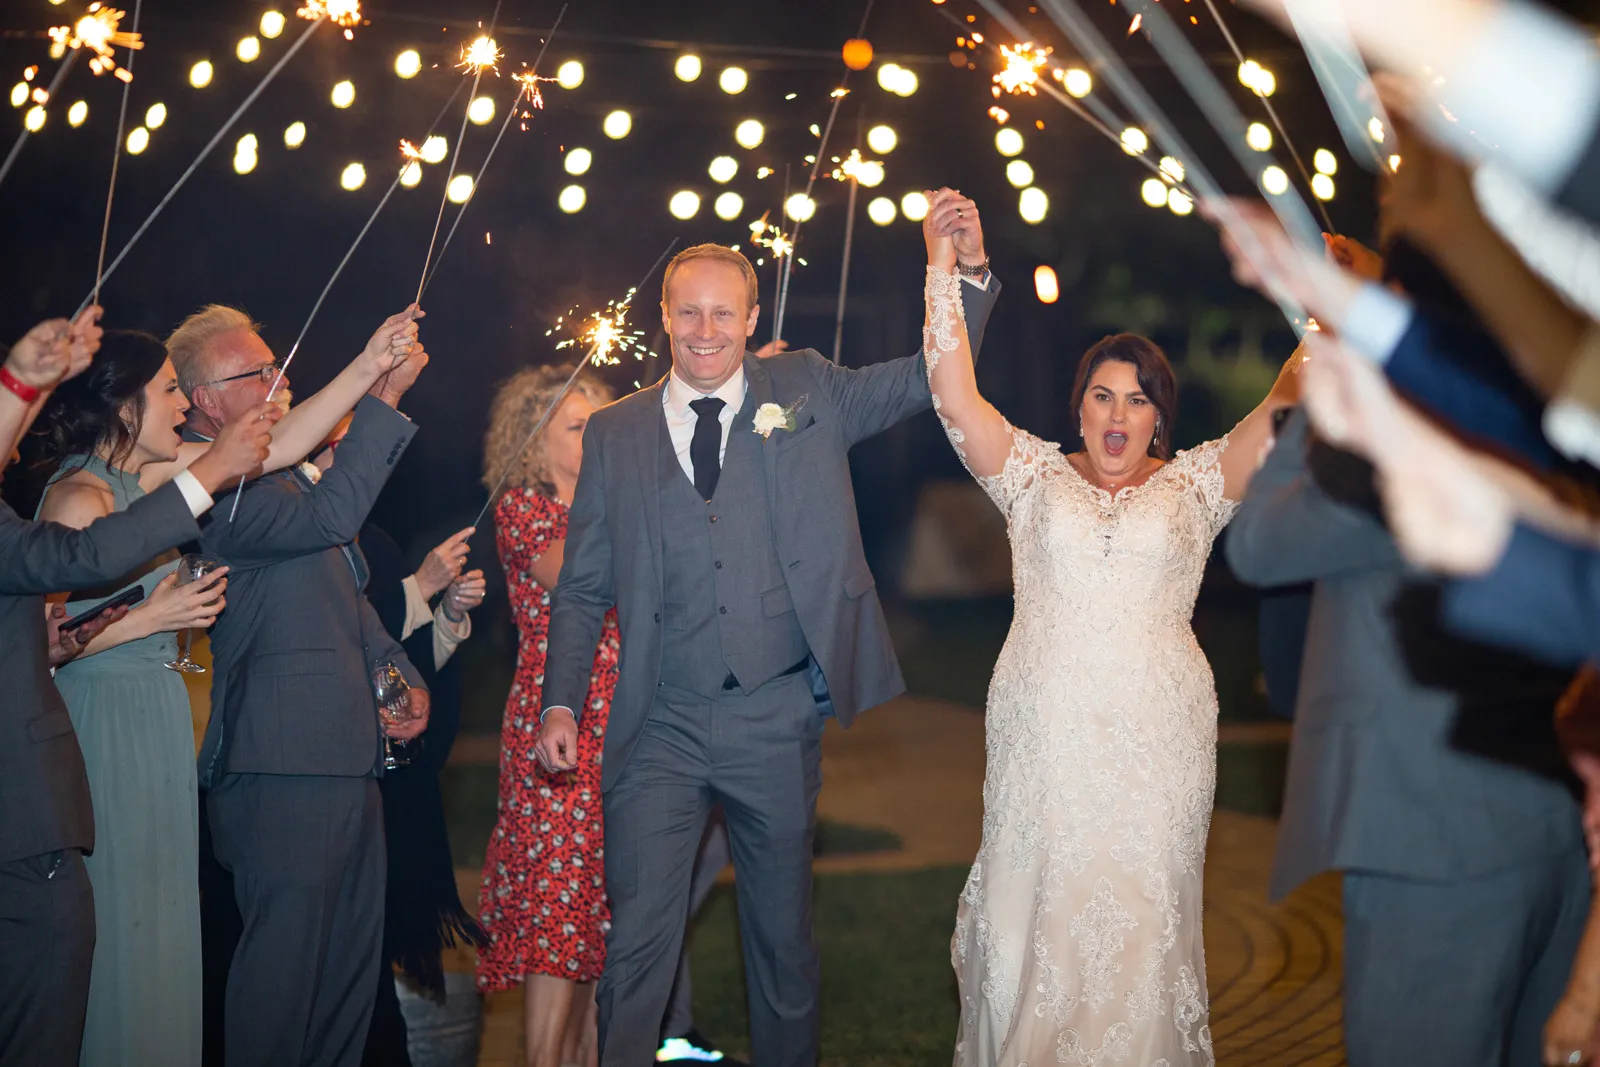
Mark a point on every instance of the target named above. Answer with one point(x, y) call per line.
point(267, 241)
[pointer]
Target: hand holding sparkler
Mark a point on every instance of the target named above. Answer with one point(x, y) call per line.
point(1265, 258)
point(396, 383)
point(55, 350)
point(84, 340)
point(393, 341)
point(240, 448)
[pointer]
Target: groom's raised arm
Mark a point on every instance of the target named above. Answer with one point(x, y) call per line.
point(585, 590)
point(872, 399)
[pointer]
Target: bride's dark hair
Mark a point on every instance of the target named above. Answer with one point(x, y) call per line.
point(1155, 375)
point(85, 414)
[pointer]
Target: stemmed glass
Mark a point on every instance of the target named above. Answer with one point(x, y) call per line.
point(192, 568)
point(394, 709)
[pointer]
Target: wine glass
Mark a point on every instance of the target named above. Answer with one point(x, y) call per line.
point(394, 709)
point(192, 568)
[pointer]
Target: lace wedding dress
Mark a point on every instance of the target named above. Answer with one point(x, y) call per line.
point(1077, 936)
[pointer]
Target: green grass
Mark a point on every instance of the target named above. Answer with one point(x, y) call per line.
point(888, 994)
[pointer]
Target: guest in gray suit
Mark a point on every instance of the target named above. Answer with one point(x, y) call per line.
point(46, 824)
point(714, 509)
point(293, 749)
point(1426, 769)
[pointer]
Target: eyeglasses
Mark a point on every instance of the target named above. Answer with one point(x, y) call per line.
point(267, 373)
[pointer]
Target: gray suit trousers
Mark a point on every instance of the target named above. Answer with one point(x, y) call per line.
point(46, 948)
point(308, 865)
point(760, 757)
point(1460, 972)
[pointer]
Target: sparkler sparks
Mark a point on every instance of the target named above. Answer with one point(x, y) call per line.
point(482, 54)
point(98, 32)
point(1021, 73)
point(869, 172)
point(343, 13)
point(606, 333)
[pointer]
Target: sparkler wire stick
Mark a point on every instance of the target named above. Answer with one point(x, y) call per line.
point(455, 157)
point(49, 94)
point(1073, 22)
point(1272, 113)
point(849, 241)
point(116, 160)
point(316, 307)
point(204, 152)
point(1099, 117)
point(511, 113)
point(787, 268)
point(1341, 73)
point(555, 402)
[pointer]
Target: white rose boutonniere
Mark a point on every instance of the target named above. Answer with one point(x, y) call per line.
point(771, 417)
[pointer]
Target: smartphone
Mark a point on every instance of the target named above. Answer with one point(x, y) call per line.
point(128, 597)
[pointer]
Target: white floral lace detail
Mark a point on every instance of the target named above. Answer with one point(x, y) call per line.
point(1078, 933)
point(945, 315)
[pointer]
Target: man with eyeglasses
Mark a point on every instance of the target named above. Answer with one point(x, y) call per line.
point(291, 756)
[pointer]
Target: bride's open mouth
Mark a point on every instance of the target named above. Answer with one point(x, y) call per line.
point(1116, 441)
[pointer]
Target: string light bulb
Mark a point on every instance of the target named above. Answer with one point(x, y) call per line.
point(1134, 141)
point(411, 176)
point(343, 95)
point(459, 191)
point(295, 135)
point(1019, 173)
point(617, 125)
point(1033, 205)
point(723, 169)
point(77, 113)
point(749, 133)
point(1325, 162)
point(408, 64)
point(1046, 286)
point(1077, 82)
point(138, 140)
point(1154, 192)
point(200, 74)
point(353, 177)
point(34, 119)
point(435, 149)
point(881, 211)
point(684, 205)
point(687, 68)
point(1274, 180)
point(1007, 141)
point(914, 206)
point(1322, 186)
point(577, 161)
point(733, 80)
point(800, 207)
point(882, 139)
point(572, 199)
point(1258, 137)
point(728, 206)
point(570, 74)
point(481, 111)
point(272, 24)
point(1179, 202)
point(248, 49)
point(155, 115)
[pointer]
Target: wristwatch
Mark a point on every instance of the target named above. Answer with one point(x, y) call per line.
point(973, 272)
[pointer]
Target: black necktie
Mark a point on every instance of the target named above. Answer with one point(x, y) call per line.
point(705, 447)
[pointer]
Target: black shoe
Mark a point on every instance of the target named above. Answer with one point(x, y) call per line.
point(694, 1048)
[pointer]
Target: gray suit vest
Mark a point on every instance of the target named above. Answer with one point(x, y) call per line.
point(726, 604)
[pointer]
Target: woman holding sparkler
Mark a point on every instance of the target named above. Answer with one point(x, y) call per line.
point(1078, 934)
point(543, 897)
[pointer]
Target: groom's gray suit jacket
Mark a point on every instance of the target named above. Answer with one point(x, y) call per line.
point(1415, 754)
point(614, 542)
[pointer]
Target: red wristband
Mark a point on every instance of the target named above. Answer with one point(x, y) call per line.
point(25, 392)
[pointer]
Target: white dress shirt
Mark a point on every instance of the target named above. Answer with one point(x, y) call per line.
point(194, 494)
point(681, 418)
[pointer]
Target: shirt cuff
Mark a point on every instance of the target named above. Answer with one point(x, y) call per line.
point(1527, 90)
point(417, 613)
point(447, 636)
point(981, 283)
point(1376, 321)
point(194, 494)
point(556, 707)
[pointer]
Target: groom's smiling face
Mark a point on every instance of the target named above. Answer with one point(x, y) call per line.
point(707, 317)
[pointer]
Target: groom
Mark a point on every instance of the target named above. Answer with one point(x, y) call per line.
point(748, 614)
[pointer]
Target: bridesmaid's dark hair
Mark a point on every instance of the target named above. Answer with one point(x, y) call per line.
point(85, 414)
point(1156, 380)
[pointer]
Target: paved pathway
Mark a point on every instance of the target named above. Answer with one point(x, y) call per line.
point(916, 767)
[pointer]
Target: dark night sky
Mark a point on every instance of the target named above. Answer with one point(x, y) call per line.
point(267, 241)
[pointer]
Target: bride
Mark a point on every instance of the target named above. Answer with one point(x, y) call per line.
point(1077, 936)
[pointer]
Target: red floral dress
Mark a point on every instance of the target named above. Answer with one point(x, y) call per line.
point(543, 896)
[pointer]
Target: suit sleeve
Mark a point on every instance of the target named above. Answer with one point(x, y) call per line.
point(1289, 530)
point(1542, 598)
point(1461, 373)
point(586, 589)
point(45, 557)
point(872, 399)
point(276, 522)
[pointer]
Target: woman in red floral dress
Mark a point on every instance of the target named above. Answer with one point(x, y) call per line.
point(543, 894)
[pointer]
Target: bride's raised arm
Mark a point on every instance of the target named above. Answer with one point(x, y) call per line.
point(1253, 434)
point(979, 433)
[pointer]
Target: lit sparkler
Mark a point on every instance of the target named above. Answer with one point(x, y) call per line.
point(481, 55)
point(345, 14)
point(868, 172)
point(1021, 73)
point(98, 31)
point(605, 333)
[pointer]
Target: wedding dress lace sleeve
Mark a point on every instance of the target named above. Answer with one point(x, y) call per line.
point(1199, 469)
point(1006, 462)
